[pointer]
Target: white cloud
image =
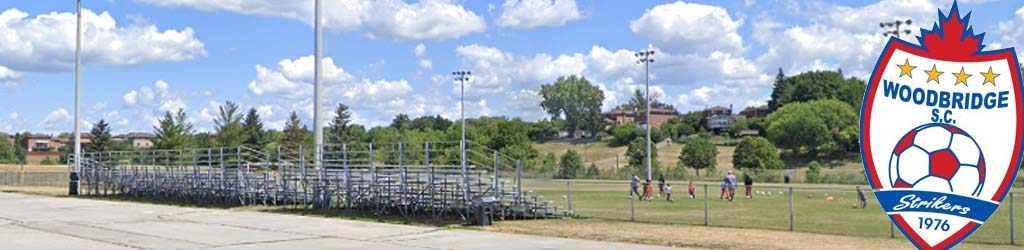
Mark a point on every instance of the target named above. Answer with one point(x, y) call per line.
point(423, 20)
point(527, 14)
point(420, 50)
point(46, 42)
point(56, 120)
point(9, 79)
point(1012, 31)
point(293, 79)
point(426, 64)
point(375, 101)
point(682, 27)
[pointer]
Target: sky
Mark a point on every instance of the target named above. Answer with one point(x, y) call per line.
point(142, 58)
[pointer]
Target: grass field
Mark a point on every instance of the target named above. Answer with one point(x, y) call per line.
point(609, 201)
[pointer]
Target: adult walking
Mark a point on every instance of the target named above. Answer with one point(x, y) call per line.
point(730, 183)
point(633, 184)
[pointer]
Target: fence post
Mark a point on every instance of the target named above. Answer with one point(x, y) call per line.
point(348, 178)
point(497, 193)
point(706, 205)
point(791, 212)
point(568, 187)
point(892, 230)
point(519, 180)
point(1013, 240)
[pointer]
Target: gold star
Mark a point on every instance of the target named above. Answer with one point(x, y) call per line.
point(961, 77)
point(933, 75)
point(906, 69)
point(989, 77)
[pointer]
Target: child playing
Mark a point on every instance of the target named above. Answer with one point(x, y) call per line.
point(668, 192)
point(691, 189)
point(648, 191)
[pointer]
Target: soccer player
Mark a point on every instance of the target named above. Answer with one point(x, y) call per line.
point(661, 185)
point(749, 184)
point(730, 181)
point(691, 189)
point(668, 192)
point(633, 185)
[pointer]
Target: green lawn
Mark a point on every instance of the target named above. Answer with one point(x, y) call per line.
point(609, 200)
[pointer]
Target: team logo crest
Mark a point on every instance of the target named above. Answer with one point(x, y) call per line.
point(941, 129)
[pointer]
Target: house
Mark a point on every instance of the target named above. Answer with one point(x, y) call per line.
point(638, 117)
point(757, 111)
point(40, 144)
point(141, 140)
point(718, 119)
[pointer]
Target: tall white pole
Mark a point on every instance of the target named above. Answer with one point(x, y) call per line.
point(78, 80)
point(647, 87)
point(318, 128)
point(462, 110)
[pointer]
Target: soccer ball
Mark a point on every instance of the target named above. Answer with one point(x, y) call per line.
point(940, 158)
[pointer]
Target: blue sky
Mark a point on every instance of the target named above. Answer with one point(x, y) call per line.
point(143, 57)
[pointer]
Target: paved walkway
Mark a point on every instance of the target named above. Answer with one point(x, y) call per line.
point(37, 222)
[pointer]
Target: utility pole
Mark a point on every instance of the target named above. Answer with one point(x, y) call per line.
point(74, 185)
point(318, 128)
point(462, 77)
point(645, 58)
point(895, 28)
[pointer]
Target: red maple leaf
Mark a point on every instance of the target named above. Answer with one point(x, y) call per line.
point(952, 36)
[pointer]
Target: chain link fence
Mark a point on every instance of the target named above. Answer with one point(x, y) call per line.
point(825, 209)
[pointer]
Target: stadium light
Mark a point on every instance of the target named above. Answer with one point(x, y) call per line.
point(895, 26)
point(462, 77)
point(645, 58)
point(318, 128)
point(74, 185)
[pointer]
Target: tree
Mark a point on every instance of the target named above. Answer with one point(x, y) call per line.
point(571, 165)
point(338, 130)
point(255, 137)
point(548, 163)
point(638, 102)
point(577, 101)
point(294, 133)
point(699, 154)
point(228, 124)
point(173, 132)
point(778, 92)
point(817, 85)
point(636, 156)
point(20, 139)
point(756, 153)
point(7, 151)
point(101, 139)
point(401, 122)
point(436, 123)
point(828, 126)
point(593, 172)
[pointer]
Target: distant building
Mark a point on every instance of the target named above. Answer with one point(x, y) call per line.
point(718, 119)
point(137, 140)
point(757, 111)
point(40, 144)
point(638, 117)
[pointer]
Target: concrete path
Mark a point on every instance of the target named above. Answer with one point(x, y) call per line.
point(37, 222)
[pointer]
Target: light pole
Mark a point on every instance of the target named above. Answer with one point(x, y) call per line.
point(462, 77)
point(895, 26)
point(74, 185)
point(645, 58)
point(318, 128)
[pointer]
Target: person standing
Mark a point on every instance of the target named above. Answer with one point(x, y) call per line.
point(692, 189)
point(661, 185)
point(863, 198)
point(749, 184)
point(730, 183)
point(668, 192)
point(648, 193)
point(633, 184)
